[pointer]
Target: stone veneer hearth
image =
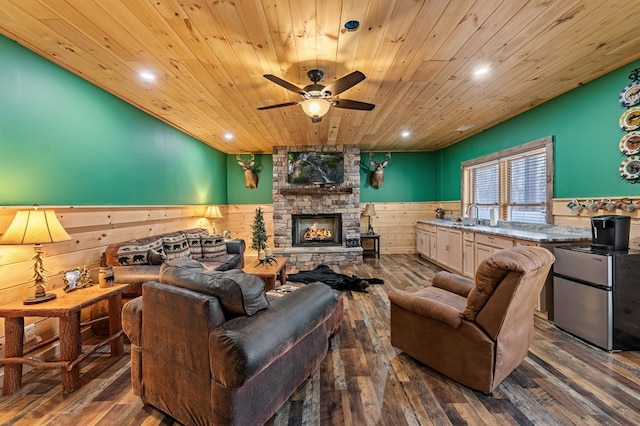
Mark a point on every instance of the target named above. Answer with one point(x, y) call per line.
point(291, 199)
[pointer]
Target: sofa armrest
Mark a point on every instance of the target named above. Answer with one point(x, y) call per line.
point(426, 307)
point(243, 347)
point(132, 320)
point(454, 283)
point(235, 246)
point(135, 276)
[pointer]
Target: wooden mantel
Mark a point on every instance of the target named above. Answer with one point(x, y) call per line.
point(317, 190)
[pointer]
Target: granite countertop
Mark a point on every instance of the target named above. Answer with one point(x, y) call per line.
point(522, 231)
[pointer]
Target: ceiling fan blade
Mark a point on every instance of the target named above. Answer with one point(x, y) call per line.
point(349, 104)
point(344, 83)
point(284, 83)
point(278, 105)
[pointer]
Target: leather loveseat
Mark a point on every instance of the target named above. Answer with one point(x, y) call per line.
point(208, 348)
point(135, 262)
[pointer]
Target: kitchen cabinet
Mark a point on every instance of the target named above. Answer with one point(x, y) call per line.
point(422, 240)
point(449, 248)
point(433, 242)
point(487, 244)
point(461, 249)
point(468, 254)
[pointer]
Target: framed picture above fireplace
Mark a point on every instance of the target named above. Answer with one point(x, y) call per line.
point(313, 168)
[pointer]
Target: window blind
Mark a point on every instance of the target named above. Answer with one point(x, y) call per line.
point(516, 184)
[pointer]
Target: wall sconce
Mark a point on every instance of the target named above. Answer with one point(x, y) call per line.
point(36, 227)
point(369, 210)
point(213, 213)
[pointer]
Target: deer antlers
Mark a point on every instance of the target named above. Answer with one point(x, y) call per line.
point(388, 155)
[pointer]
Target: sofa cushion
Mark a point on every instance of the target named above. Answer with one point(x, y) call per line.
point(193, 238)
point(213, 246)
point(136, 252)
point(175, 245)
point(243, 347)
point(239, 293)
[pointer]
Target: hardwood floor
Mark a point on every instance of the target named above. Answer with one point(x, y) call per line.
point(365, 381)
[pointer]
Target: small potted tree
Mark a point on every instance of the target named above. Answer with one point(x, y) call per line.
point(259, 238)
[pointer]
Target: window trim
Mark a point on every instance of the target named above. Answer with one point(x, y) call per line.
point(546, 143)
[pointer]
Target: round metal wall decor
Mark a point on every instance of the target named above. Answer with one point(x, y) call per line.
point(630, 119)
point(630, 143)
point(630, 168)
point(630, 95)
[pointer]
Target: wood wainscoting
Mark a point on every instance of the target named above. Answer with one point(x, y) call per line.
point(395, 222)
point(92, 228)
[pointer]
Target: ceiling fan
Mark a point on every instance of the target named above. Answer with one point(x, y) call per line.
point(316, 98)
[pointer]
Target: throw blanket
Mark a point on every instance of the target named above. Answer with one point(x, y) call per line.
point(333, 279)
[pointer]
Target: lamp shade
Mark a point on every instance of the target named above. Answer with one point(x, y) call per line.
point(34, 227)
point(315, 107)
point(369, 210)
point(213, 212)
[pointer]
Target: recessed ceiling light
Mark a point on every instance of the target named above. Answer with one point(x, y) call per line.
point(147, 76)
point(481, 71)
point(405, 134)
point(228, 136)
point(464, 127)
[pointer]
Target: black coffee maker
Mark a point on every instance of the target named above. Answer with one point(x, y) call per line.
point(610, 232)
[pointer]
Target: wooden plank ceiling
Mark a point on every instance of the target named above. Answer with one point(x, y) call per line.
point(419, 58)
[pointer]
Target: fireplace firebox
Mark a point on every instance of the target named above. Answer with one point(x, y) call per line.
point(316, 230)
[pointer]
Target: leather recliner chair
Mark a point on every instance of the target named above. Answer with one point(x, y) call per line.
point(476, 333)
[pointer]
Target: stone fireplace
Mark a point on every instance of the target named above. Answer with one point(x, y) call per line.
point(291, 201)
point(316, 230)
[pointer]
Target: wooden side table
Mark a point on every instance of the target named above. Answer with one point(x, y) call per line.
point(66, 307)
point(376, 244)
point(269, 272)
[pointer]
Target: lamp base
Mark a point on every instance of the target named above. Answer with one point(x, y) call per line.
point(39, 299)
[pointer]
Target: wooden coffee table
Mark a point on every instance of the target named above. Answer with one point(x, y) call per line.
point(277, 268)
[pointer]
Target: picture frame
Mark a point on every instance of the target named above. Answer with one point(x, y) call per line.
point(72, 279)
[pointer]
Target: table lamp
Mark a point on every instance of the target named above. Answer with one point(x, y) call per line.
point(36, 227)
point(369, 210)
point(213, 212)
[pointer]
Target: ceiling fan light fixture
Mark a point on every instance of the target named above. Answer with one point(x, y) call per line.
point(315, 107)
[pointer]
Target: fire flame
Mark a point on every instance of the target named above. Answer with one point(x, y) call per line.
point(314, 233)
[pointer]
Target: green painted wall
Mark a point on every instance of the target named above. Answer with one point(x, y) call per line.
point(64, 141)
point(409, 177)
point(237, 193)
point(584, 123)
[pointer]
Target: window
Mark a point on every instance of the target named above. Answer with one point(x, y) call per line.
point(517, 182)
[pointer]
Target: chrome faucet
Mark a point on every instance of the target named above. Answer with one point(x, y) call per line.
point(477, 213)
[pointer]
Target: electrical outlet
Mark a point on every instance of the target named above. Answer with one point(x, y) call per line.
point(29, 333)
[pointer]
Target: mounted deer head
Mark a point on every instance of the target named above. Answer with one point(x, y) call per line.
point(250, 175)
point(376, 178)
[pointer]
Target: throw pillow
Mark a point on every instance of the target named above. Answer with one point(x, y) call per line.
point(213, 246)
point(193, 238)
point(136, 252)
point(239, 293)
point(175, 245)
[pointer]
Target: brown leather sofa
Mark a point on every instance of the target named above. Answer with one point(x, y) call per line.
point(137, 261)
point(478, 332)
point(208, 348)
